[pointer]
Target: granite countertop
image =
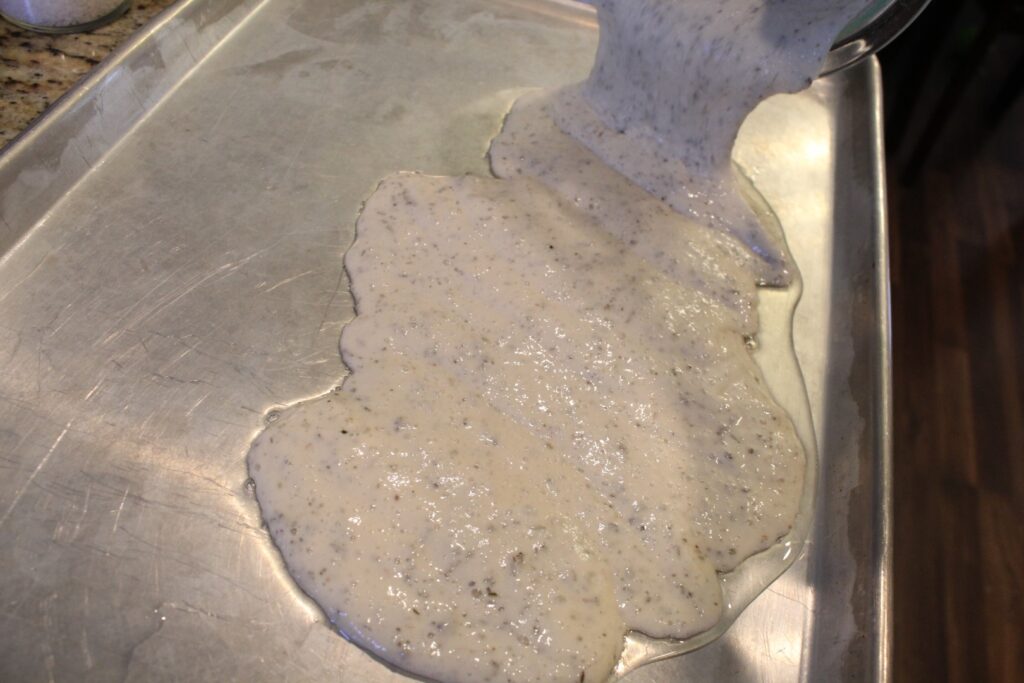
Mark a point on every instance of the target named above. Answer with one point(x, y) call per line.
point(38, 68)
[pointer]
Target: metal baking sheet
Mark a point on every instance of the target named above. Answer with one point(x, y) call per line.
point(171, 238)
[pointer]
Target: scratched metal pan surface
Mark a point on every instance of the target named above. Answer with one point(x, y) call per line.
point(171, 239)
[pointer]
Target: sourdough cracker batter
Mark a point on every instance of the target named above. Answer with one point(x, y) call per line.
point(553, 431)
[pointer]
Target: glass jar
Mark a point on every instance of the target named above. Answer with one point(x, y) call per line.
point(62, 16)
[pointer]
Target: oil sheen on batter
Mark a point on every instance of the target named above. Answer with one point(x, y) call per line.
point(553, 431)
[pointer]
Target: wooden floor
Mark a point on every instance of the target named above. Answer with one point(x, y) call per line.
point(958, 307)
